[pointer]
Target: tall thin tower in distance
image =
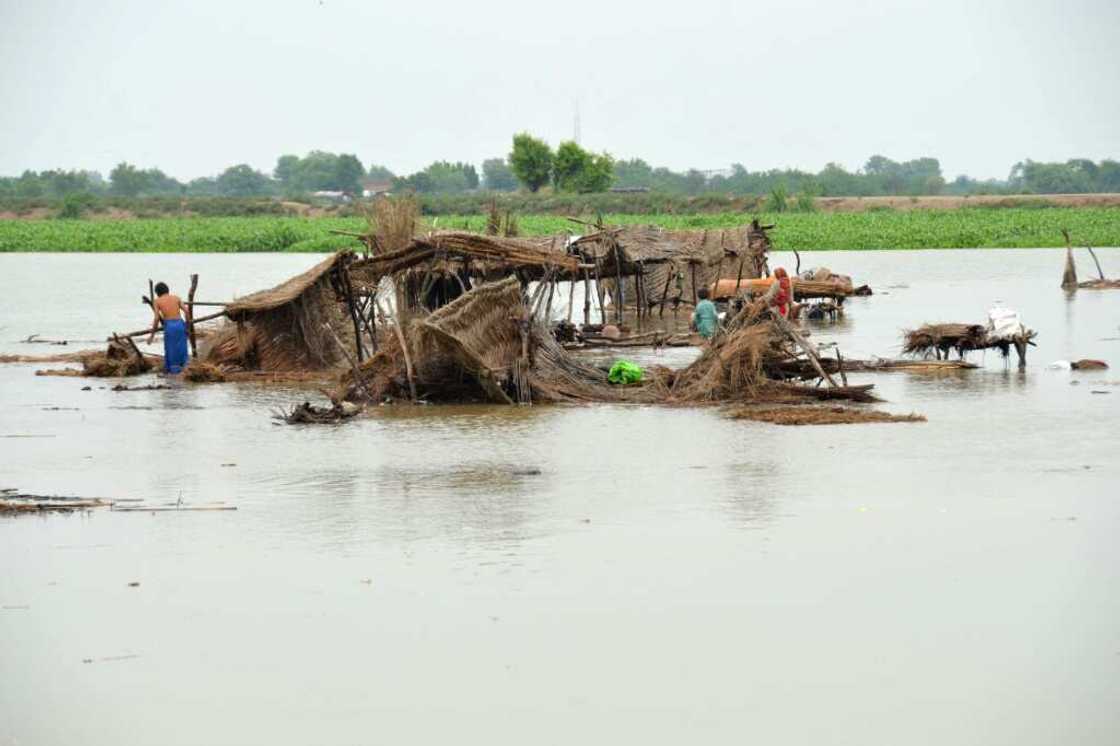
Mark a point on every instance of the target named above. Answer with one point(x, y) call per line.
point(575, 122)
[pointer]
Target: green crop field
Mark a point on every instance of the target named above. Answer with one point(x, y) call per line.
point(876, 229)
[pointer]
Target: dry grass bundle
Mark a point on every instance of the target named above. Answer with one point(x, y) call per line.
point(198, 371)
point(393, 222)
point(121, 358)
point(732, 367)
point(941, 338)
point(815, 415)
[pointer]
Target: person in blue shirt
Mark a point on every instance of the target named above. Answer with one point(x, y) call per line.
point(705, 320)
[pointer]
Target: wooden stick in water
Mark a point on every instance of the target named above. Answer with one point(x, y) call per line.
point(142, 332)
point(190, 317)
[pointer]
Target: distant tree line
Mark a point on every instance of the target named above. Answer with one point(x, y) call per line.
point(533, 165)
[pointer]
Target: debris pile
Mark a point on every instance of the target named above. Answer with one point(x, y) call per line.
point(818, 415)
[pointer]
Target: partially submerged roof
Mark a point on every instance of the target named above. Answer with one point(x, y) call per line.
point(284, 293)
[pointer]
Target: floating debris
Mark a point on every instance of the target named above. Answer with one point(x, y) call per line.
point(814, 415)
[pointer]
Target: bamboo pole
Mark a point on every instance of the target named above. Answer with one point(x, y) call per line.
point(785, 326)
point(190, 317)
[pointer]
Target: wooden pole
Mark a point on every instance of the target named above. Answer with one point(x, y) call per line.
point(804, 345)
point(571, 298)
point(599, 294)
point(618, 278)
point(371, 302)
point(1095, 261)
point(692, 269)
point(142, 332)
point(672, 271)
point(190, 317)
point(586, 297)
point(407, 360)
point(348, 294)
point(358, 377)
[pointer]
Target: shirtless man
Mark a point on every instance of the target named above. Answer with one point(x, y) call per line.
point(169, 310)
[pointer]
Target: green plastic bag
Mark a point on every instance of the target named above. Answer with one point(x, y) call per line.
point(625, 372)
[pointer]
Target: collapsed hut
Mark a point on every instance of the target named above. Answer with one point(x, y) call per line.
point(491, 344)
point(647, 268)
point(1003, 332)
point(307, 323)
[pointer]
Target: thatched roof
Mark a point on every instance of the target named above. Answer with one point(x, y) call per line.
point(642, 246)
point(475, 251)
point(285, 292)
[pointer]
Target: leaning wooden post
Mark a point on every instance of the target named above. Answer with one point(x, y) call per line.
point(599, 293)
point(586, 297)
point(1100, 272)
point(1021, 349)
point(372, 322)
point(348, 295)
point(787, 327)
point(669, 274)
point(190, 316)
point(358, 377)
point(407, 359)
point(618, 278)
point(692, 270)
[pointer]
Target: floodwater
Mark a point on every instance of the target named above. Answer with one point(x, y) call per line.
point(599, 574)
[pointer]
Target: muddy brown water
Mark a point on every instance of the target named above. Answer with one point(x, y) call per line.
point(597, 574)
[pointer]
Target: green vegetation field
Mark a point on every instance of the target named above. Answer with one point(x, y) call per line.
point(876, 229)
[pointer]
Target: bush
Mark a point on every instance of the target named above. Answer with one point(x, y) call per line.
point(74, 206)
point(778, 200)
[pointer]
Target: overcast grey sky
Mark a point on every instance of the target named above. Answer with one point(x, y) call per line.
point(193, 87)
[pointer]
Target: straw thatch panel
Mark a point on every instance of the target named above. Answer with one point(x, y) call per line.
point(472, 254)
point(286, 292)
point(300, 325)
point(940, 338)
